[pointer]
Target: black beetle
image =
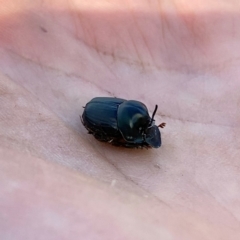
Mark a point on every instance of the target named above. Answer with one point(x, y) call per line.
point(121, 122)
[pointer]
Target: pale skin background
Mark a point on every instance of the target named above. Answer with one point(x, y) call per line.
point(58, 182)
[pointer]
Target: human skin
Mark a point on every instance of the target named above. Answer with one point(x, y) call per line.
point(58, 182)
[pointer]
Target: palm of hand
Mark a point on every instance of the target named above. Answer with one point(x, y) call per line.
point(189, 68)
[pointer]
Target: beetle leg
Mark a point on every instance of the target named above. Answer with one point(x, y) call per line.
point(162, 125)
point(81, 120)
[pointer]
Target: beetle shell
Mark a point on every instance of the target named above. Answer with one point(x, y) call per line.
point(121, 122)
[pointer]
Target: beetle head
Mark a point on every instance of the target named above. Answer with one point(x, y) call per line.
point(152, 134)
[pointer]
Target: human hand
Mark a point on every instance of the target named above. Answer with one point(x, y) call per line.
point(57, 181)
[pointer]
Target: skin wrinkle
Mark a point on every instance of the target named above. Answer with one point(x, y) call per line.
point(133, 41)
point(141, 63)
point(35, 96)
point(130, 179)
point(125, 45)
point(185, 46)
point(144, 40)
point(127, 178)
point(65, 146)
point(67, 74)
point(47, 120)
point(80, 19)
point(221, 205)
point(209, 194)
point(77, 20)
point(165, 117)
point(57, 70)
point(191, 25)
point(112, 54)
point(211, 68)
point(164, 25)
point(107, 66)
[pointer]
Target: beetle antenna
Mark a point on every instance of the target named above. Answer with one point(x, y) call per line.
point(154, 112)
